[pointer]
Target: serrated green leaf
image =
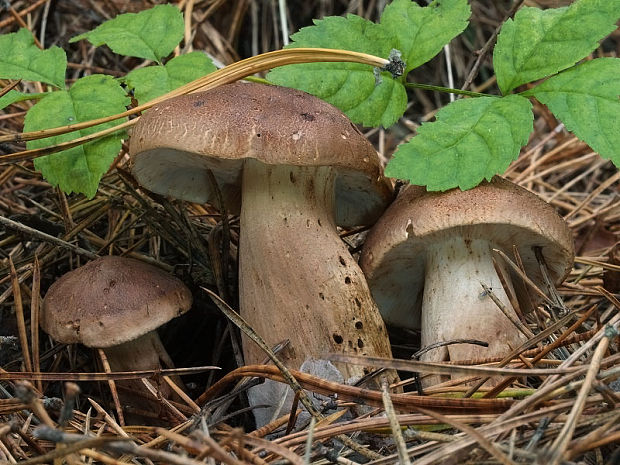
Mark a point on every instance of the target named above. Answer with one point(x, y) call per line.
point(20, 58)
point(540, 43)
point(153, 81)
point(151, 34)
point(586, 99)
point(78, 169)
point(421, 32)
point(349, 86)
point(352, 87)
point(472, 140)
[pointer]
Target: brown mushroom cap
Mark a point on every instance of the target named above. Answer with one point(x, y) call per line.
point(393, 256)
point(176, 141)
point(112, 300)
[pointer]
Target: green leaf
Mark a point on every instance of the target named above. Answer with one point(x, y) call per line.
point(421, 32)
point(586, 99)
point(352, 87)
point(150, 34)
point(78, 169)
point(153, 81)
point(349, 86)
point(540, 43)
point(472, 140)
point(10, 97)
point(20, 58)
point(13, 96)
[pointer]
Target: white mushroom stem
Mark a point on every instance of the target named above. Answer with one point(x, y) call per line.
point(297, 279)
point(455, 305)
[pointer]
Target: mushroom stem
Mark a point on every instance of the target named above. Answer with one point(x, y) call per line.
point(297, 279)
point(143, 353)
point(455, 305)
point(138, 354)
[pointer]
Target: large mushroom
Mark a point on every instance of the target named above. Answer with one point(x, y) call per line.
point(303, 168)
point(428, 256)
point(116, 304)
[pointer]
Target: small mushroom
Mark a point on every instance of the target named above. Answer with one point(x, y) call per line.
point(428, 256)
point(116, 304)
point(303, 168)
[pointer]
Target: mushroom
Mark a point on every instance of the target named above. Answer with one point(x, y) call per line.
point(116, 304)
point(429, 254)
point(303, 168)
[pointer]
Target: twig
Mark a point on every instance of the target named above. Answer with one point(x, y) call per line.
point(397, 433)
point(487, 46)
point(112, 385)
point(355, 394)
point(19, 316)
point(561, 443)
point(46, 237)
point(548, 348)
point(309, 441)
point(34, 318)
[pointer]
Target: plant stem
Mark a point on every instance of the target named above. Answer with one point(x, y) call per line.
point(469, 93)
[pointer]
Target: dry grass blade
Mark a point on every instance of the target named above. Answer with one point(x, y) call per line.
point(46, 237)
point(397, 432)
point(19, 312)
point(547, 349)
point(34, 319)
point(561, 443)
point(380, 425)
point(356, 394)
point(228, 74)
point(480, 439)
point(274, 448)
point(12, 85)
point(430, 367)
point(112, 385)
point(105, 376)
point(69, 449)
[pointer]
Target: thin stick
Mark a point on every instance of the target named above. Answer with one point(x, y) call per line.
point(548, 348)
point(19, 315)
point(46, 237)
point(187, 399)
point(108, 419)
point(604, 185)
point(175, 411)
point(561, 443)
point(355, 394)
point(217, 451)
point(34, 319)
point(515, 321)
point(309, 441)
point(487, 46)
point(527, 280)
point(397, 433)
point(66, 450)
point(112, 385)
